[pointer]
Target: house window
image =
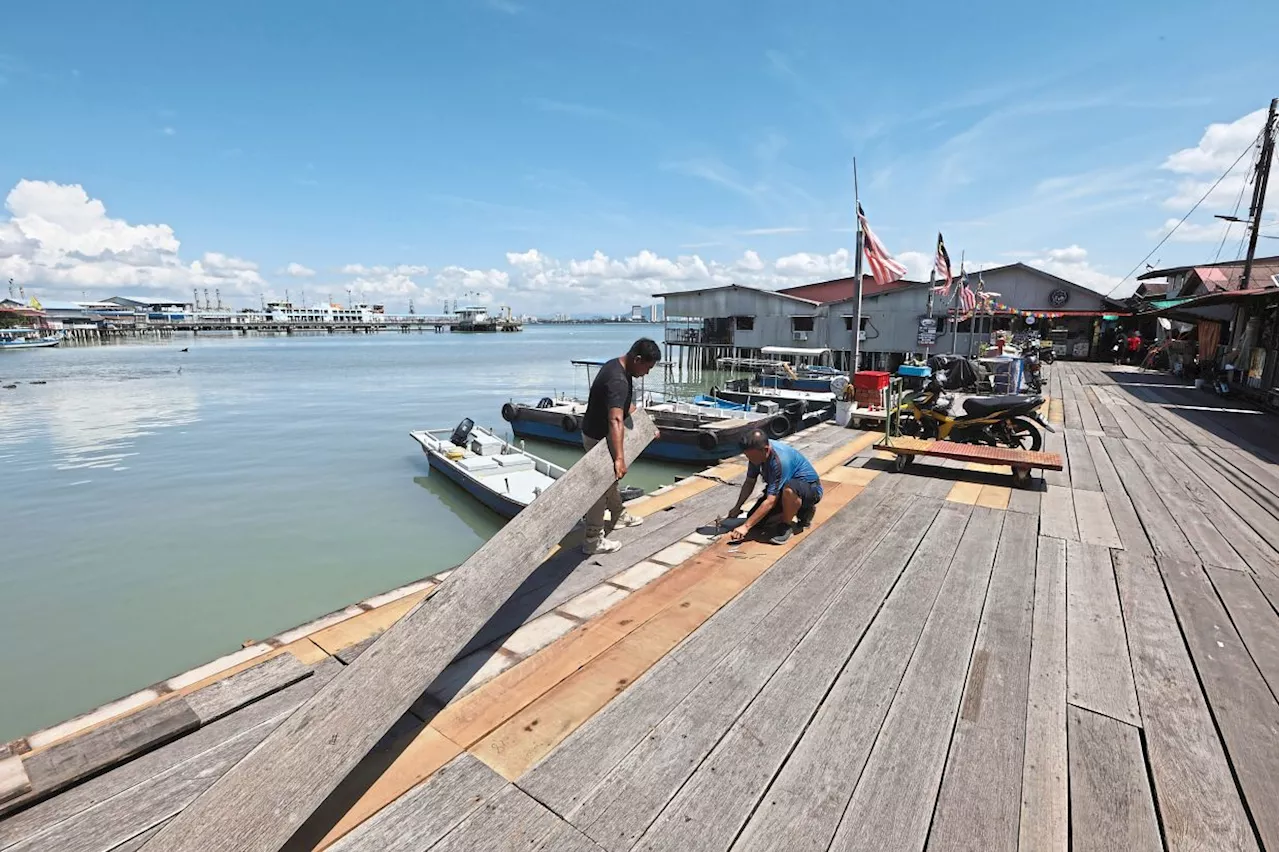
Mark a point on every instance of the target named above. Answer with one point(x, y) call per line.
point(744, 323)
point(802, 323)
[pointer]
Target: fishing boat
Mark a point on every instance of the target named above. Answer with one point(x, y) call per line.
point(26, 338)
point(478, 319)
point(748, 392)
point(501, 476)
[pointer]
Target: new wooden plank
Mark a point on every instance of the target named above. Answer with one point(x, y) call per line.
point(893, 800)
point(1111, 807)
point(1080, 463)
point(1043, 823)
point(1196, 794)
point(994, 497)
point(13, 778)
point(980, 801)
point(1099, 674)
point(1243, 706)
point(218, 699)
point(1093, 516)
point(1254, 620)
point(427, 812)
point(1162, 531)
point(965, 492)
point(367, 625)
point(43, 815)
point(569, 772)
point(1058, 513)
point(308, 756)
point(803, 805)
point(833, 605)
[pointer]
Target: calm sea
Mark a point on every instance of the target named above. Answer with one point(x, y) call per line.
point(160, 507)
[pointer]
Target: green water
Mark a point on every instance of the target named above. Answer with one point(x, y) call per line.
point(161, 507)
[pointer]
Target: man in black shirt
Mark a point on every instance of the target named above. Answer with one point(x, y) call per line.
point(608, 406)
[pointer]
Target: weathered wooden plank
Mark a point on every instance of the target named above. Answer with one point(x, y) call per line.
point(308, 756)
point(1196, 795)
point(1106, 418)
point(809, 629)
point(428, 812)
point(1054, 442)
point(1243, 706)
point(136, 843)
point(893, 801)
point(1254, 620)
point(1083, 475)
point(66, 762)
point(509, 821)
point(1099, 675)
point(44, 815)
point(1027, 500)
point(1162, 531)
point(13, 778)
point(220, 698)
point(803, 805)
point(573, 769)
point(1043, 823)
point(980, 801)
point(1058, 513)
point(1093, 515)
point(1089, 419)
point(1246, 465)
point(1111, 807)
point(1258, 515)
point(1123, 516)
point(1270, 589)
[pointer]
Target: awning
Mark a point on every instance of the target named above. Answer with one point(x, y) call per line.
point(1192, 303)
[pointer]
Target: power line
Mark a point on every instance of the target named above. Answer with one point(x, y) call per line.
point(1235, 212)
point(1166, 237)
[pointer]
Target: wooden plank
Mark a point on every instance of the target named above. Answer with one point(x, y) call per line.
point(802, 627)
point(965, 492)
point(1099, 675)
point(1043, 823)
point(13, 778)
point(803, 805)
point(1260, 518)
point(510, 821)
point(64, 763)
point(1123, 516)
point(308, 756)
point(1196, 794)
point(1093, 515)
point(1162, 531)
point(980, 801)
point(427, 812)
point(368, 625)
point(218, 699)
point(1027, 500)
point(1102, 410)
point(1054, 442)
point(136, 843)
point(893, 801)
point(1080, 463)
point(1089, 419)
point(1247, 465)
point(1058, 513)
point(994, 497)
point(1254, 620)
point(1111, 807)
point(1243, 705)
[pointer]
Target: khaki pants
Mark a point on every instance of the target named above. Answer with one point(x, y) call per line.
point(612, 500)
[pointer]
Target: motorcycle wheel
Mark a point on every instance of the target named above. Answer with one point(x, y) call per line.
point(1023, 435)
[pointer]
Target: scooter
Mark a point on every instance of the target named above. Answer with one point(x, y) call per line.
point(1031, 369)
point(998, 421)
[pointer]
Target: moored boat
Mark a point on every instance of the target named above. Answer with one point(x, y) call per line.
point(501, 476)
point(26, 338)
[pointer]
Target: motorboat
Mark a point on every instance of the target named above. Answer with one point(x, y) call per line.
point(504, 477)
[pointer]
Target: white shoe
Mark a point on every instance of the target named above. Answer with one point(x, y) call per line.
point(600, 544)
point(626, 519)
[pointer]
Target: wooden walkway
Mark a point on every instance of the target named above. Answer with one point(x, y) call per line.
point(942, 662)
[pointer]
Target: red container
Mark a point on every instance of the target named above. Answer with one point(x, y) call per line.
point(871, 380)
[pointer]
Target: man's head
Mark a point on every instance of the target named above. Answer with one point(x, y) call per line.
point(641, 357)
point(755, 446)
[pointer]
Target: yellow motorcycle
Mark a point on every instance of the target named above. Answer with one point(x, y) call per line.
point(998, 421)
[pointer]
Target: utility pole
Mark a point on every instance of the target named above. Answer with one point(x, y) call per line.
point(1260, 190)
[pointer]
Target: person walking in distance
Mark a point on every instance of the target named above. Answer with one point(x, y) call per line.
point(609, 405)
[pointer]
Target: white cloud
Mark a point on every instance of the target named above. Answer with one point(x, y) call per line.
point(297, 270)
point(918, 264)
point(1072, 263)
point(1070, 255)
point(816, 267)
point(1219, 147)
point(1190, 232)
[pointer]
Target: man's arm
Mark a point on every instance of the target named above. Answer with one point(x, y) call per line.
point(748, 486)
point(617, 429)
point(766, 506)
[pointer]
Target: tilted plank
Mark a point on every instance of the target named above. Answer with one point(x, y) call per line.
point(980, 801)
point(1099, 675)
point(802, 807)
point(1058, 514)
point(1254, 620)
point(894, 799)
point(220, 698)
point(1111, 807)
point(1043, 823)
point(1242, 704)
point(1054, 442)
point(308, 756)
point(1123, 516)
point(1196, 794)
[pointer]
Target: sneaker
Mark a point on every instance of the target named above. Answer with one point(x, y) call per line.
point(782, 535)
point(626, 519)
point(804, 518)
point(599, 544)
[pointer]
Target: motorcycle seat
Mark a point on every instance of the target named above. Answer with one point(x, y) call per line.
point(981, 406)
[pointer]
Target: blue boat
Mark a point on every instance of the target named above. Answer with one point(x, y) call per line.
point(26, 338)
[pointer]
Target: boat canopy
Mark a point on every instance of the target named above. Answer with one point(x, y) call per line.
point(599, 363)
point(793, 350)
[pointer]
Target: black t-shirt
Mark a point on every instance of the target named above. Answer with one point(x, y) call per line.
point(611, 389)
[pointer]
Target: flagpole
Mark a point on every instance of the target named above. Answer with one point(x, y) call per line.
point(857, 278)
point(933, 277)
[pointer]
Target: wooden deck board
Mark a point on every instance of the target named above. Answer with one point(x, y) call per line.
point(1123, 515)
point(1254, 620)
point(1058, 513)
point(1162, 530)
point(1099, 674)
point(1093, 516)
point(1111, 805)
point(1083, 475)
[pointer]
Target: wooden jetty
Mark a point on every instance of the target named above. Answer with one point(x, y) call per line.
point(941, 662)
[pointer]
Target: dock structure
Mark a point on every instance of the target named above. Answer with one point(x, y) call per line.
point(941, 662)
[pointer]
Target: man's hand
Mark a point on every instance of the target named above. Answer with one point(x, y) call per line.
point(740, 534)
point(619, 467)
point(657, 433)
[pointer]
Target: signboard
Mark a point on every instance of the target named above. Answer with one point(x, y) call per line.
point(927, 335)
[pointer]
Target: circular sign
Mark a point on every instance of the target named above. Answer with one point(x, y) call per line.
point(1059, 297)
point(1031, 320)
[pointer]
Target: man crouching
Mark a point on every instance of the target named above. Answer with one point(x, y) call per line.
point(792, 489)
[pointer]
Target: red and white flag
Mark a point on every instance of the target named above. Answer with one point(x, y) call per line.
point(884, 268)
point(968, 300)
point(942, 267)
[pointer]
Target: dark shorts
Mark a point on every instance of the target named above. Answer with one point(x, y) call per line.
point(810, 494)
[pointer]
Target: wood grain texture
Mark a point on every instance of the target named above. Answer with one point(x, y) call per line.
point(1044, 819)
point(1111, 807)
point(1099, 675)
point(308, 756)
point(980, 801)
point(1243, 706)
point(256, 682)
point(509, 821)
point(1162, 530)
point(1083, 475)
point(1196, 794)
point(803, 805)
point(1260, 517)
point(1254, 620)
point(1123, 516)
point(893, 801)
point(1093, 517)
point(13, 778)
point(1054, 442)
point(1058, 514)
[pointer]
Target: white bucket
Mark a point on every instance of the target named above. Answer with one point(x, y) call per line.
point(843, 411)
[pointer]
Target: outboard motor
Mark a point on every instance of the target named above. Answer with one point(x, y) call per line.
point(462, 434)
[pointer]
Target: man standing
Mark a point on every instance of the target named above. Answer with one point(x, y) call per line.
point(792, 489)
point(608, 406)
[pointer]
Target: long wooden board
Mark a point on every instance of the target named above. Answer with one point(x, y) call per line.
point(1111, 807)
point(1253, 618)
point(304, 759)
point(1099, 675)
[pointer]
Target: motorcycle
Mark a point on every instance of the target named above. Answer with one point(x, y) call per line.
point(1031, 369)
point(998, 421)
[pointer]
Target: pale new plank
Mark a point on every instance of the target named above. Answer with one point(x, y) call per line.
point(1111, 807)
point(1093, 516)
point(231, 693)
point(1058, 513)
point(13, 778)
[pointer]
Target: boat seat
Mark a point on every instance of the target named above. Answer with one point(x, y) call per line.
point(983, 405)
point(479, 464)
point(514, 462)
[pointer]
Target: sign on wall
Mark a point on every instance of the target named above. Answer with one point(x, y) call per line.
point(927, 335)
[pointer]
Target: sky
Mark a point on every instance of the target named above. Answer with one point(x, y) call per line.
point(574, 156)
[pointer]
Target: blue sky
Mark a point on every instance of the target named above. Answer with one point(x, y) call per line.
point(575, 155)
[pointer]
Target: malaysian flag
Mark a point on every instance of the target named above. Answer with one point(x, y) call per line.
point(884, 268)
point(942, 266)
point(968, 301)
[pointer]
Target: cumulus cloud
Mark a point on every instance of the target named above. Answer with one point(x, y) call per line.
point(918, 264)
point(297, 270)
point(1190, 232)
point(1072, 263)
point(1219, 147)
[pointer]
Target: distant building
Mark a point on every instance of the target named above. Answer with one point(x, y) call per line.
point(1180, 282)
point(656, 313)
point(637, 313)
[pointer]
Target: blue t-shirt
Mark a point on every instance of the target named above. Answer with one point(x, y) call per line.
point(784, 464)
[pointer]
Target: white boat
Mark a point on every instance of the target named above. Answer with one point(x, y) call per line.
point(26, 338)
point(504, 477)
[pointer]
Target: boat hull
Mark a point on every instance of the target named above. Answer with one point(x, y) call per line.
point(743, 394)
point(504, 506)
point(28, 344)
point(674, 444)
